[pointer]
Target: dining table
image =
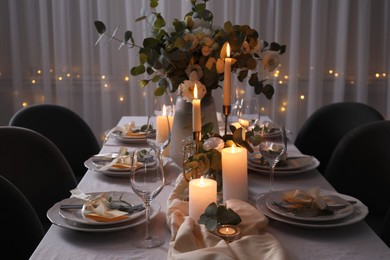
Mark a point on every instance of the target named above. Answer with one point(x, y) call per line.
point(352, 241)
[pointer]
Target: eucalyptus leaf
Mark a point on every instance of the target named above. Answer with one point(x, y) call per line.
point(143, 83)
point(268, 91)
point(100, 27)
point(138, 70)
point(153, 3)
point(256, 140)
point(140, 18)
point(129, 36)
point(159, 91)
point(211, 223)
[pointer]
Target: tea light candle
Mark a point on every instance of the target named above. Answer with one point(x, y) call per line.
point(202, 192)
point(196, 114)
point(234, 173)
point(227, 78)
point(228, 232)
point(162, 128)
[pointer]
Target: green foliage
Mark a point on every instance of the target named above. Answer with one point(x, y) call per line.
point(218, 215)
point(169, 54)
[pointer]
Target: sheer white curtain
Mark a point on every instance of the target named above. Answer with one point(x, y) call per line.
point(336, 50)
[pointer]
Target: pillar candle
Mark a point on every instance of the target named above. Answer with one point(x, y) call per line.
point(196, 114)
point(227, 77)
point(234, 173)
point(202, 192)
point(162, 128)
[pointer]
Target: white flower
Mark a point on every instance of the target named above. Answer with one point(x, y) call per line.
point(214, 143)
point(194, 72)
point(186, 89)
point(270, 60)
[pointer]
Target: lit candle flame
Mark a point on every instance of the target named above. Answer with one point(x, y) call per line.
point(228, 50)
point(196, 92)
point(201, 182)
point(233, 146)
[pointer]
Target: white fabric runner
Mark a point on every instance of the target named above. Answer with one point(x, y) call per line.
point(193, 241)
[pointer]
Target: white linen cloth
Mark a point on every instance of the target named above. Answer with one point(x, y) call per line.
point(193, 241)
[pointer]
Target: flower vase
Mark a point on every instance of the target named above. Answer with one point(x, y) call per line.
point(182, 123)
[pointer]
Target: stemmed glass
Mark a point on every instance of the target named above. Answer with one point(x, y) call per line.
point(273, 146)
point(147, 180)
point(248, 113)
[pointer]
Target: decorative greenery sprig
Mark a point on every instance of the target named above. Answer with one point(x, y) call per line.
point(218, 215)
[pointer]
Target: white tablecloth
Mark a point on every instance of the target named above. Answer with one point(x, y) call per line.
point(356, 241)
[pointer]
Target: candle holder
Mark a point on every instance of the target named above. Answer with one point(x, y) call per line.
point(228, 232)
point(226, 111)
point(197, 136)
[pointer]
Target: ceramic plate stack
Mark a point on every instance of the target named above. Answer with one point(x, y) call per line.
point(341, 216)
point(96, 162)
point(130, 139)
point(293, 166)
point(75, 220)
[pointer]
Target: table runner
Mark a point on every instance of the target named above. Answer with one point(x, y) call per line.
point(193, 241)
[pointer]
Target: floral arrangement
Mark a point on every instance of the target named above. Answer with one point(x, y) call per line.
point(193, 51)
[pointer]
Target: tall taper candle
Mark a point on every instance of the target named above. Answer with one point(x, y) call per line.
point(227, 77)
point(196, 114)
point(234, 173)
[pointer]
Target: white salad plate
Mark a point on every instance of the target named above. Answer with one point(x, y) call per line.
point(360, 211)
point(77, 216)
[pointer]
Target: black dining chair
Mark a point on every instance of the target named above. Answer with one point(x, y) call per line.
point(37, 167)
point(360, 167)
point(322, 131)
point(64, 128)
point(22, 230)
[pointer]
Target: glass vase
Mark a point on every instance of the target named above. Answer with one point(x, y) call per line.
point(182, 123)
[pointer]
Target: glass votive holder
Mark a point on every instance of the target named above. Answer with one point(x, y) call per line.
point(228, 232)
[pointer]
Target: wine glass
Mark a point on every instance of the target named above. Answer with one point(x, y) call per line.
point(273, 146)
point(147, 180)
point(158, 141)
point(248, 113)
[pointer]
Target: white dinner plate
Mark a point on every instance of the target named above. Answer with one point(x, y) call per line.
point(277, 196)
point(55, 218)
point(123, 138)
point(97, 161)
point(283, 173)
point(121, 173)
point(359, 213)
point(77, 216)
point(290, 164)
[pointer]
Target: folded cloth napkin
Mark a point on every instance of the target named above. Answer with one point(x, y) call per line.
point(122, 161)
point(193, 241)
point(127, 130)
point(97, 208)
point(311, 195)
